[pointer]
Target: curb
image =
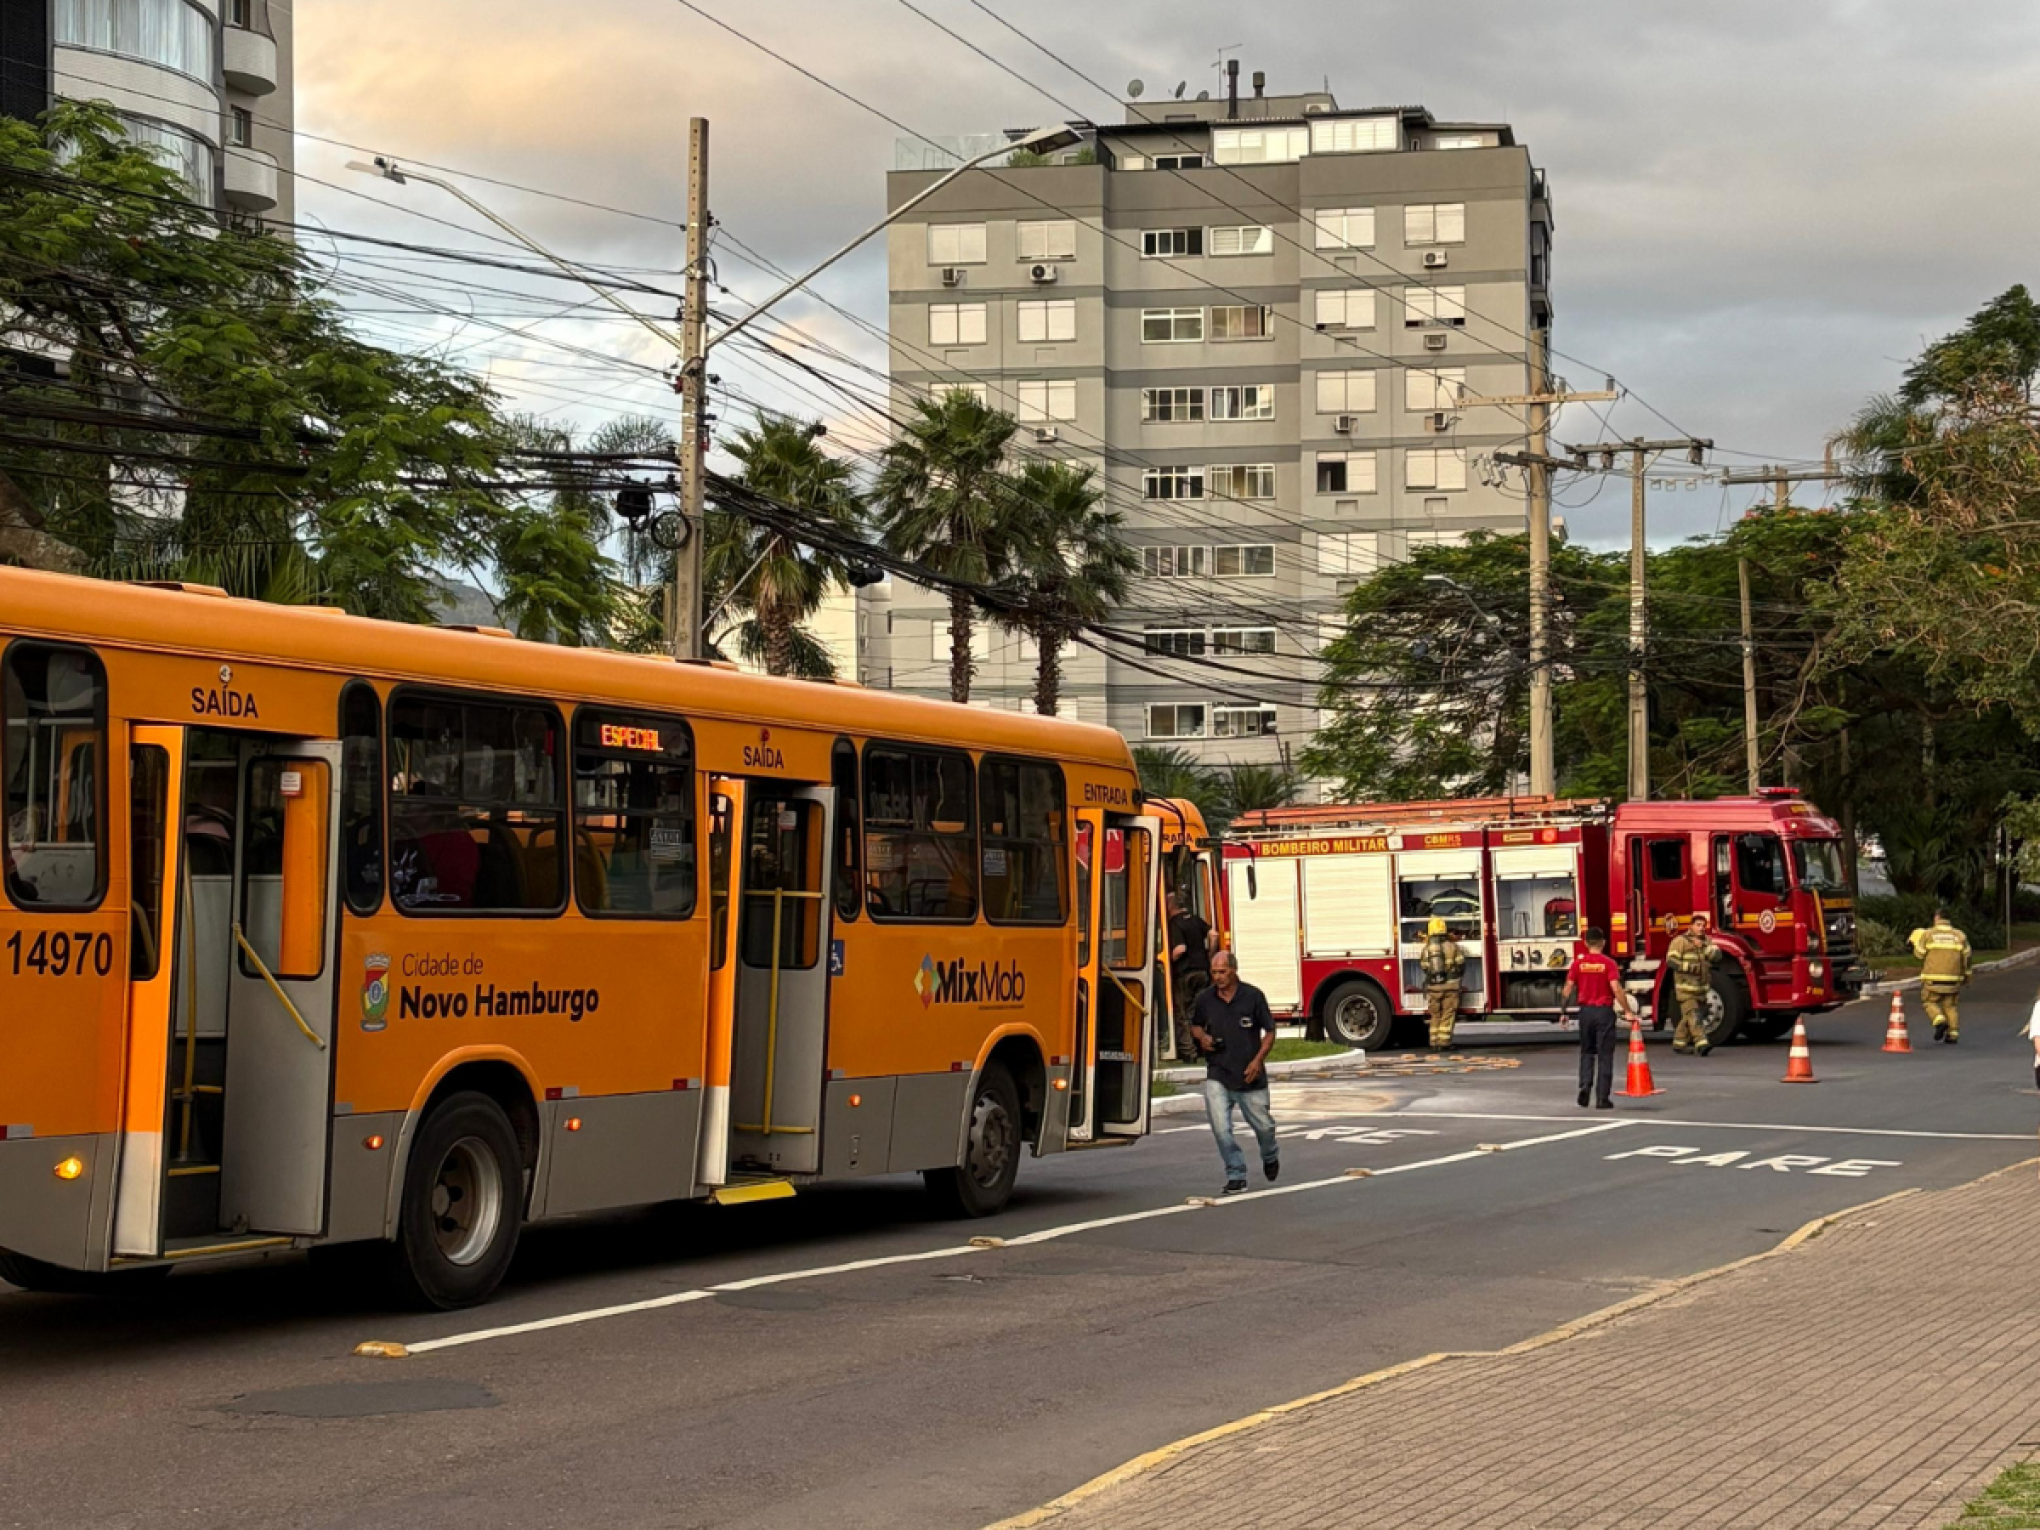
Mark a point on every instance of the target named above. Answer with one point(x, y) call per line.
point(1347, 1065)
point(1907, 985)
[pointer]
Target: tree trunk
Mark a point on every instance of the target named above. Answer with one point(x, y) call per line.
point(1048, 672)
point(960, 667)
point(778, 633)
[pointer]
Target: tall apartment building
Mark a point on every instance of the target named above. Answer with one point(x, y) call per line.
point(1262, 321)
point(206, 81)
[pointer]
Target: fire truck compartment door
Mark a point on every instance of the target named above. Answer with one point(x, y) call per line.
point(1348, 906)
point(1263, 906)
point(1537, 861)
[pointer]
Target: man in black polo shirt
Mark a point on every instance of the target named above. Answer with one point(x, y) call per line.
point(1233, 1029)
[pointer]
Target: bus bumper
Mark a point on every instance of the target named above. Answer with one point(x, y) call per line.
point(61, 1221)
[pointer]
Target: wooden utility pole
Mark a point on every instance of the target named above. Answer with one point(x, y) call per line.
point(684, 613)
point(1749, 677)
point(1640, 451)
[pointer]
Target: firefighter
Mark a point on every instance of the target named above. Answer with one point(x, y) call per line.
point(1692, 957)
point(1944, 957)
point(1443, 962)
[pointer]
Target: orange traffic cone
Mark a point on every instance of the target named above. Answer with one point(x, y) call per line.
point(1896, 1037)
point(1799, 1066)
point(1639, 1080)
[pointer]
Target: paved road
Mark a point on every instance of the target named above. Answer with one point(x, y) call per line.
point(853, 1384)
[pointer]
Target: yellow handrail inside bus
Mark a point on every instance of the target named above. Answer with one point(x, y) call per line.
point(1131, 997)
point(274, 987)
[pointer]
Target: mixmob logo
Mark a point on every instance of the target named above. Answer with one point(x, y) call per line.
point(958, 982)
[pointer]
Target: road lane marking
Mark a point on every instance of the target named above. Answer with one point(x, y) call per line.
point(1743, 1126)
point(385, 1349)
point(1784, 1163)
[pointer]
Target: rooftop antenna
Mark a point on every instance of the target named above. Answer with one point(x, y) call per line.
point(1181, 86)
point(1135, 89)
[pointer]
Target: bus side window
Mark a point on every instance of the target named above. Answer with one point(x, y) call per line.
point(722, 813)
point(1025, 830)
point(148, 837)
point(633, 815)
point(361, 798)
point(920, 834)
point(52, 753)
point(843, 774)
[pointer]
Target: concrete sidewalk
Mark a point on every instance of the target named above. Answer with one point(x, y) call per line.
point(1878, 1373)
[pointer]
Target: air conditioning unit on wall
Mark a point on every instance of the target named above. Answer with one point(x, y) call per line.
point(1343, 424)
point(1043, 274)
point(1434, 342)
point(952, 276)
point(1046, 433)
point(1434, 260)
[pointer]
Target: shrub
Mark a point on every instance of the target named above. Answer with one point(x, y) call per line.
point(1902, 913)
point(1875, 939)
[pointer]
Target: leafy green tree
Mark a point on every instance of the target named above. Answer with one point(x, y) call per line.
point(1068, 566)
point(759, 572)
point(1166, 771)
point(943, 500)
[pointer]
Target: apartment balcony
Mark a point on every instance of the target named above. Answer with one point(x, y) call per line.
point(251, 179)
point(249, 61)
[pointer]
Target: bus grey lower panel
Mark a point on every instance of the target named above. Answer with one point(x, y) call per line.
point(630, 1150)
point(857, 1139)
point(359, 1203)
point(927, 1130)
point(64, 1222)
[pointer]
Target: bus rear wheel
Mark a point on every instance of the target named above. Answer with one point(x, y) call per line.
point(463, 1205)
point(1357, 1014)
point(981, 1185)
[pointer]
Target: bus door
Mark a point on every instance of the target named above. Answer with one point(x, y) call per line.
point(243, 992)
point(781, 892)
point(154, 1097)
point(725, 811)
point(1121, 1002)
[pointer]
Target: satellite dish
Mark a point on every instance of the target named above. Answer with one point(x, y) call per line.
point(1135, 89)
point(1181, 86)
point(1204, 95)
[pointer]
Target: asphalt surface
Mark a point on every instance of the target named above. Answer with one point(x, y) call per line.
point(950, 1391)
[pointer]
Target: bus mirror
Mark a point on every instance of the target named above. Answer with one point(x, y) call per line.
point(1253, 883)
point(304, 786)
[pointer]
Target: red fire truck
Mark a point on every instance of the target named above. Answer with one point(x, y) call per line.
point(1327, 906)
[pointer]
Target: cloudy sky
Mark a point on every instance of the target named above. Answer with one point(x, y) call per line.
point(1763, 208)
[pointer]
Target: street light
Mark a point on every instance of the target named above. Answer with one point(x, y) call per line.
point(1448, 582)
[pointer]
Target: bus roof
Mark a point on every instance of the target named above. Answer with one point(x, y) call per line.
point(195, 622)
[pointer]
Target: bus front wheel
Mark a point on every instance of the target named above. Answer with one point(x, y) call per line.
point(463, 1204)
point(981, 1185)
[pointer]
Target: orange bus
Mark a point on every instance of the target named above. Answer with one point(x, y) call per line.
point(318, 930)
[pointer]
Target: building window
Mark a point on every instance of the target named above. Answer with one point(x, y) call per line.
point(1346, 392)
point(956, 324)
point(1178, 162)
point(1174, 642)
point(1165, 243)
point(476, 799)
point(1419, 540)
point(1242, 722)
point(1434, 223)
point(240, 126)
point(920, 847)
point(1348, 554)
point(1427, 390)
point(956, 244)
point(1243, 401)
point(53, 759)
point(1460, 141)
point(1171, 406)
point(1240, 322)
point(1181, 720)
point(1345, 473)
point(1025, 854)
point(241, 13)
point(1171, 326)
point(1259, 146)
point(1048, 319)
point(1044, 401)
point(976, 391)
point(1172, 483)
point(172, 33)
point(1243, 640)
point(1174, 562)
point(1344, 228)
point(1251, 240)
point(1056, 240)
point(1355, 135)
point(1433, 305)
point(1243, 481)
point(1443, 468)
point(1249, 561)
point(634, 851)
point(1345, 308)
point(179, 148)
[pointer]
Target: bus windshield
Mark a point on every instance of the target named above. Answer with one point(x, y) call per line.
point(1817, 865)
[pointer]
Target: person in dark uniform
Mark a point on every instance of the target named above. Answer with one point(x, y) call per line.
point(1191, 941)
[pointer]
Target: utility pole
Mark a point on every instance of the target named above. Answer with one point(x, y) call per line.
point(683, 611)
point(1749, 677)
point(1640, 451)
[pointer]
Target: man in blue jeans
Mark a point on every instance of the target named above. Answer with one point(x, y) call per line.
point(1233, 1029)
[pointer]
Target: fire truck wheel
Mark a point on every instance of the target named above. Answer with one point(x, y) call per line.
point(34, 1275)
point(1728, 1009)
point(981, 1185)
point(1357, 1014)
point(463, 1204)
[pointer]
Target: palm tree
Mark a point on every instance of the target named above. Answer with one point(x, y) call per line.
point(1169, 772)
point(1068, 566)
point(945, 502)
point(764, 572)
point(1248, 789)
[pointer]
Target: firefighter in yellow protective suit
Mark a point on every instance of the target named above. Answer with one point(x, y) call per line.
point(1944, 957)
point(1443, 963)
point(1692, 957)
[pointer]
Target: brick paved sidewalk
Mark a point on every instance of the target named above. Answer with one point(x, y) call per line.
point(1877, 1375)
